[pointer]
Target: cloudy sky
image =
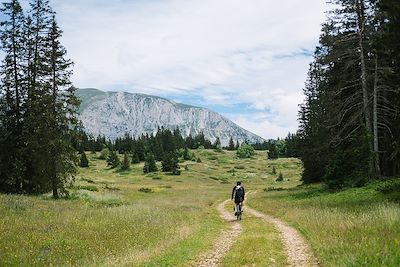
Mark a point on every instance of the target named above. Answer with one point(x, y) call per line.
point(246, 59)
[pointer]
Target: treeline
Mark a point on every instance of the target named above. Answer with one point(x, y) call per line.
point(288, 147)
point(38, 108)
point(350, 120)
point(164, 141)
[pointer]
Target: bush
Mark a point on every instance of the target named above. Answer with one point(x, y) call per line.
point(390, 186)
point(104, 153)
point(280, 177)
point(88, 188)
point(198, 160)
point(146, 190)
point(245, 151)
point(273, 170)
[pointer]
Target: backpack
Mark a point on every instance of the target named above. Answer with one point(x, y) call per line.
point(239, 193)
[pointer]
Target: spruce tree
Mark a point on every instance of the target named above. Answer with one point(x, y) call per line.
point(149, 164)
point(231, 144)
point(125, 164)
point(12, 98)
point(84, 162)
point(112, 159)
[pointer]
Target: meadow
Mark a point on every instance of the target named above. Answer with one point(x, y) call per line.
point(127, 218)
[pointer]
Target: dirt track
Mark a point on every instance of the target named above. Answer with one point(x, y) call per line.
point(224, 242)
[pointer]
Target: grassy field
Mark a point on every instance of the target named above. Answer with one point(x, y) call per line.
point(126, 218)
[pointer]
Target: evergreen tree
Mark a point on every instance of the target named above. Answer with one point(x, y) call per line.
point(12, 98)
point(135, 158)
point(84, 162)
point(170, 162)
point(150, 163)
point(273, 152)
point(112, 159)
point(125, 163)
point(231, 144)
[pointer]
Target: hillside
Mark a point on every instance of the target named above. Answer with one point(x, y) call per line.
point(114, 114)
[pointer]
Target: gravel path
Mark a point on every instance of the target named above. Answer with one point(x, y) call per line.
point(224, 242)
point(299, 253)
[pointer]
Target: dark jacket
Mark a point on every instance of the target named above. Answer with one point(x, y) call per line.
point(238, 193)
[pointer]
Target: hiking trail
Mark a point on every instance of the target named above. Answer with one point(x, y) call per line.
point(225, 240)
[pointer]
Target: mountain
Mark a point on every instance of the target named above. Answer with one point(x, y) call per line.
point(113, 114)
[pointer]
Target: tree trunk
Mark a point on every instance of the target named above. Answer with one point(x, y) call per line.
point(375, 120)
point(360, 8)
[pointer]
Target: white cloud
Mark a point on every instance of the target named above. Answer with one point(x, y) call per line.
point(227, 51)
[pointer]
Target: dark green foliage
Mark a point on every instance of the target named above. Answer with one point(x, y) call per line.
point(349, 131)
point(125, 163)
point(390, 186)
point(245, 151)
point(135, 158)
point(273, 170)
point(112, 159)
point(280, 177)
point(273, 152)
point(146, 190)
point(150, 163)
point(84, 162)
point(185, 154)
point(38, 107)
point(170, 162)
point(198, 160)
point(231, 145)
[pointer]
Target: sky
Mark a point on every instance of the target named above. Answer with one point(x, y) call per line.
point(246, 59)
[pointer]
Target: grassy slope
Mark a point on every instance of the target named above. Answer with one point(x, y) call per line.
point(118, 225)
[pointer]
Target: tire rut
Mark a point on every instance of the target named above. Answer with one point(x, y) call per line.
point(298, 251)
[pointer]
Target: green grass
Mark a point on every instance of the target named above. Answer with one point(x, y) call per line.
point(126, 218)
point(354, 227)
point(259, 245)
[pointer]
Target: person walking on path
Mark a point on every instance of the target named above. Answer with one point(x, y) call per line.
point(238, 194)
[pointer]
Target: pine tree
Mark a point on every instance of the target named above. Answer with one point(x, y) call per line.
point(231, 144)
point(170, 162)
point(135, 158)
point(112, 159)
point(125, 163)
point(12, 98)
point(273, 152)
point(150, 163)
point(84, 162)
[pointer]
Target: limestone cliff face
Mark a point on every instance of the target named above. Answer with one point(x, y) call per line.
point(113, 114)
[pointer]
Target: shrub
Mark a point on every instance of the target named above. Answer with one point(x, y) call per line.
point(245, 151)
point(280, 177)
point(88, 188)
point(104, 153)
point(198, 160)
point(146, 190)
point(273, 170)
point(390, 186)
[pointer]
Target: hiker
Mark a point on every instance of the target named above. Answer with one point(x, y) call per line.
point(238, 194)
